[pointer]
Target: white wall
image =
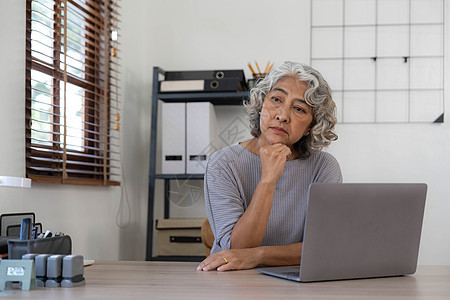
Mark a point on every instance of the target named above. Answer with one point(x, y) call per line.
point(205, 34)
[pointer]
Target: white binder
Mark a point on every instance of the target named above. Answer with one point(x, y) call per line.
point(173, 116)
point(200, 135)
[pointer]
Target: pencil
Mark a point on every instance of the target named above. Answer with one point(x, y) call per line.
point(259, 70)
point(270, 68)
point(251, 69)
point(267, 67)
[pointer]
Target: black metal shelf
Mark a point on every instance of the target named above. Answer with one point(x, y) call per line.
point(216, 98)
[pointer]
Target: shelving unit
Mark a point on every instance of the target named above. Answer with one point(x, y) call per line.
point(216, 98)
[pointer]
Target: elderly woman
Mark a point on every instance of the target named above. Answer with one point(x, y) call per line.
point(256, 191)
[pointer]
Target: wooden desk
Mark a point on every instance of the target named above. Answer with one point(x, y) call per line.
point(181, 280)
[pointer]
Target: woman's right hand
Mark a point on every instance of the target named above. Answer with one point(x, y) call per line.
point(273, 159)
point(231, 259)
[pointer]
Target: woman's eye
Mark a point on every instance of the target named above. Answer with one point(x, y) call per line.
point(299, 109)
point(275, 99)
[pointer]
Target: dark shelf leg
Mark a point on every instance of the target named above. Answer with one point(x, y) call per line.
point(152, 168)
point(166, 198)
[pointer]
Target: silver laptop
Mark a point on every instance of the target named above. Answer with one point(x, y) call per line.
point(359, 230)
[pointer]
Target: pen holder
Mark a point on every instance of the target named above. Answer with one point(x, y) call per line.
point(53, 245)
point(259, 75)
point(256, 77)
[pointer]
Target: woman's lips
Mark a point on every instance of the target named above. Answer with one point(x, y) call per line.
point(278, 130)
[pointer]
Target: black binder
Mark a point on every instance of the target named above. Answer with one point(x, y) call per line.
point(211, 74)
point(202, 85)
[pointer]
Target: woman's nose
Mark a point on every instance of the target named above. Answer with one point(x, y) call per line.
point(282, 115)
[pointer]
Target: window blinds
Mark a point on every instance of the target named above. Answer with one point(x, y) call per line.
point(72, 92)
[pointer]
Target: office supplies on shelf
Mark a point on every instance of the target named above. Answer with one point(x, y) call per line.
point(180, 237)
point(257, 66)
point(205, 74)
point(204, 81)
point(259, 74)
point(266, 70)
point(188, 133)
point(202, 85)
point(200, 135)
point(173, 138)
point(251, 69)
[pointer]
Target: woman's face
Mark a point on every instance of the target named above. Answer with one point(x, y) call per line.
point(285, 115)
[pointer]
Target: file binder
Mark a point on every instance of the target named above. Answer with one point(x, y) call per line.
point(208, 74)
point(200, 134)
point(202, 85)
point(173, 116)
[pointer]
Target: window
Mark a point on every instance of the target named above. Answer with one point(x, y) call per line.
point(72, 105)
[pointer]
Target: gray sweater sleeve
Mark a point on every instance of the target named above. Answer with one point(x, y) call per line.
point(224, 205)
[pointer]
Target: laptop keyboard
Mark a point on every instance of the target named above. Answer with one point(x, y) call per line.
point(291, 273)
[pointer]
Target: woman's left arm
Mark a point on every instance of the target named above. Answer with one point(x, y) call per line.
point(248, 258)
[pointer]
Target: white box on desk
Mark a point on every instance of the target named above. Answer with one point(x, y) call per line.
point(200, 135)
point(173, 117)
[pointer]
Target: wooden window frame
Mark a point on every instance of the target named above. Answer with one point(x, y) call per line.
point(98, 162)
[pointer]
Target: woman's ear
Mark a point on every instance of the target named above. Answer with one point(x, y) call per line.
point(309, 129)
